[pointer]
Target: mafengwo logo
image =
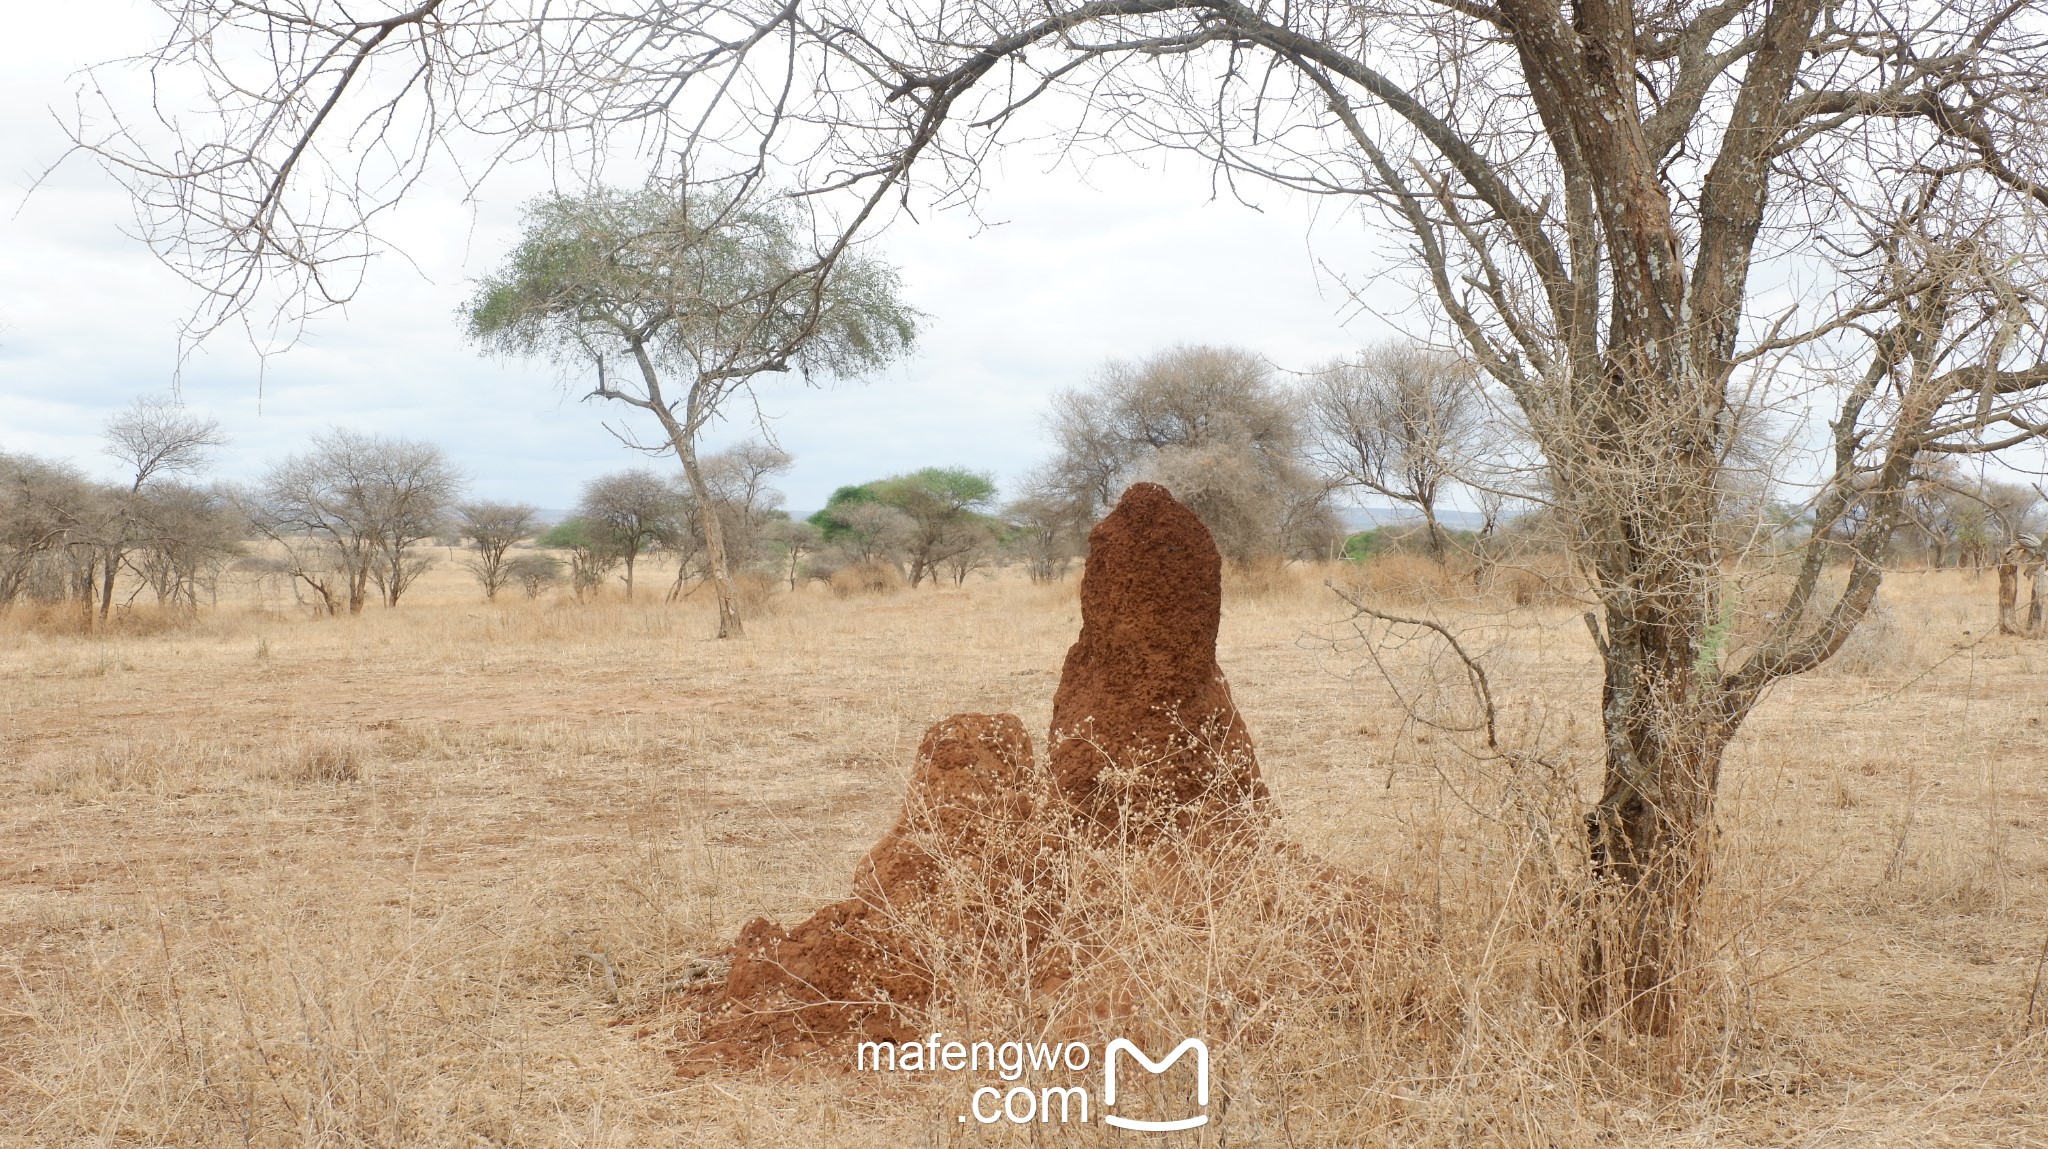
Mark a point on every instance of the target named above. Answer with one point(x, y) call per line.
point(1201, 1052)
point(1022, 1104)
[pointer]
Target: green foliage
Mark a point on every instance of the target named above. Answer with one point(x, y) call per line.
point(593, 551)
point(946, 491)
point(830, 520)
point(931, 495)
point(944, 510)
point(1405, 537)
point(569, 535)
point(705, 286)
point(1364, 545)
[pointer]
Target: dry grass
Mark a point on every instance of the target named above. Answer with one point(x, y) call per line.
point(422, 877)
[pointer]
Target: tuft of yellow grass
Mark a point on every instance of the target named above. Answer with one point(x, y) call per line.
point(428, 876)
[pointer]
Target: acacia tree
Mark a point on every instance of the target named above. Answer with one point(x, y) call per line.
point(351, 512)
point(492, 528)
point(1599, 201)
point(593, 552)
point(698, 295)
point(154, 437)
point(1210, 424)
point(1397, 422)
point(633, 512)
point(943, 505)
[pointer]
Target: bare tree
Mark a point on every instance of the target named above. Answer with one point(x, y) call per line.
point(870, 532)
point(154, 437)
point(742, 500)
point(633, 513)
point(1208, 423)
point(698, 295)
point(1044, 530)
point(739, 480)
point(181, 537)
point(792, 541)
point(1397, 422)
point(157, 436)
point(43, 505)
point(1968, 517)
point(973, 547)
point(351, 512)
point(492, 529)
point(533, 573)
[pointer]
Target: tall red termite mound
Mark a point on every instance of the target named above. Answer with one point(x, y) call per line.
point(1142, 725)
point(1144, 737)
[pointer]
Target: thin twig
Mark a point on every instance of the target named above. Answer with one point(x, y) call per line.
point(1472, 668)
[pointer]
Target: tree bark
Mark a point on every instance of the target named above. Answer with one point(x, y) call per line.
point(715, 562)
point(1650, 835)
point(107, 585)
point(1436, 533)
point(2008, 597)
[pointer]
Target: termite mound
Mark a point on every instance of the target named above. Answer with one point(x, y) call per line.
point(1146, 748)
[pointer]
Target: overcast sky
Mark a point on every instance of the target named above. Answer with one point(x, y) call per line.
point(1120, 264)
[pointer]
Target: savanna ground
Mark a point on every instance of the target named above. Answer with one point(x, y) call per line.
point(424, 876)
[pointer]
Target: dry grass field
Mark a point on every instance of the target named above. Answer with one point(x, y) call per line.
point(422, 877)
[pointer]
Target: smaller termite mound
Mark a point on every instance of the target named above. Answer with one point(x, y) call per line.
point(850, 969)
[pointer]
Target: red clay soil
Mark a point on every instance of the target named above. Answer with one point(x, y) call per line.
point(1144, 735)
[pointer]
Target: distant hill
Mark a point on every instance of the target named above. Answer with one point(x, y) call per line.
point(1367, 518)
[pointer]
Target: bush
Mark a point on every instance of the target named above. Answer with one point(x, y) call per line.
point(1879, 645)
point(1410, 578)
point(866, 578)
point(1538, 580)
point(1266, 576)
point(533, 573)
point(756, 592)
point(1364, 545)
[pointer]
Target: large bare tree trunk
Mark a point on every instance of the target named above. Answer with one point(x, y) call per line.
point(1435, 532)
point(1651, 510)
point(1650, 836)
point(358, 584)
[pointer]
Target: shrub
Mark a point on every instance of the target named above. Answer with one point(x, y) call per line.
point(534, 573)
point(866, 578)
point(756, 591)
point(1880, 644)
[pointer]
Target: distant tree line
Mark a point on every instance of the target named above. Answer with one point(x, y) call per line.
point(1265, 461)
